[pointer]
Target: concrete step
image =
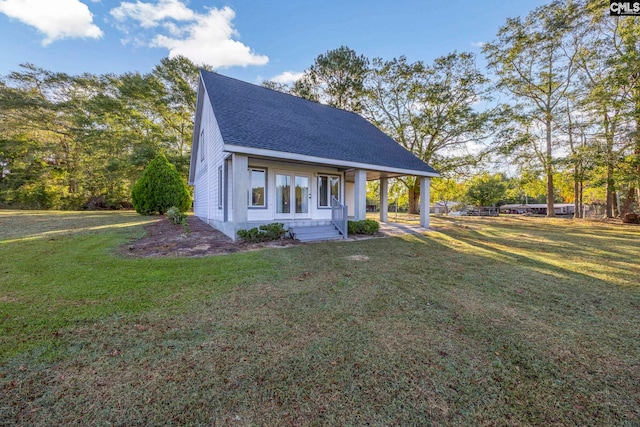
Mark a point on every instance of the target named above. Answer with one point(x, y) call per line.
point(315, 234)
point(312, 229)
point(322, 238)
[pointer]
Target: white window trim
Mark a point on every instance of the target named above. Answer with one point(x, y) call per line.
point(328, 175)
point(201, 145)
point(266, 178)
point(220, 187)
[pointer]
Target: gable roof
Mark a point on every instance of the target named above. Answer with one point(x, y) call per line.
point(260, 118)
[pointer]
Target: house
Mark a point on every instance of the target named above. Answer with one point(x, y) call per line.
point(538, 209)
point(261, 156)
point(519, 209)
point(443, 207)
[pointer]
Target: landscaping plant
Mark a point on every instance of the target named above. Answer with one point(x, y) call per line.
point(264, 233)
point(365, 226)
point(159, 188)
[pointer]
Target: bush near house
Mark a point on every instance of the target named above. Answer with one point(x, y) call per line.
point(179, 218)
point(365, 226)
point(159, 188)
point(263, 233)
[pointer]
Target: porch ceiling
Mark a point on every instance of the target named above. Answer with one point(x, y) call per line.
point(349, 175)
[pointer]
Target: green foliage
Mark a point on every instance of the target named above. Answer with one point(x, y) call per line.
point(160, 188)
point(264, 233)
point(486, 190)
point(335, 78)
point(365, 226)
point(429, 110)
point(176, 216)
point(55, 127)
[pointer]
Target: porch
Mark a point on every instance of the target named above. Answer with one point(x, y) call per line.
point(301, 194)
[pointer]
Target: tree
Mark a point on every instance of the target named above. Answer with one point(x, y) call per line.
point(335, 78)
point(486, 190)
point(610, 52)
point(159, 188)
point(429, 110)
point(68, 142)
point(447, 190)
point(531, 60)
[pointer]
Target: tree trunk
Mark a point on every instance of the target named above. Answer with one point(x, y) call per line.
point(626, 207)
point(610, 190)
point(609, 158)
point(414, 198)
point(576, 192)
point(549, 171)
point(581, 198)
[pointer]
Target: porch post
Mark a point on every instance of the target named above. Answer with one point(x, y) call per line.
point(360, 195)
point(384, 199)
point(425, 201)
point(240, 183)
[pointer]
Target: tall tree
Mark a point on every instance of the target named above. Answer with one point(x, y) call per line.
point(429, 110)
point(335, 78)
point(532, 63)
point(73, 141)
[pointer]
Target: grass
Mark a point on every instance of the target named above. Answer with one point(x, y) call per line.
point(486, 321)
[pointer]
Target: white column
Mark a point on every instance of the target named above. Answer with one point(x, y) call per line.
point(240, 182)
point(425, 201)
point(384, 199)
point(360, 196)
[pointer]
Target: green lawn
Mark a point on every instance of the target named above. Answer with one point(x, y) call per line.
point(485, 321)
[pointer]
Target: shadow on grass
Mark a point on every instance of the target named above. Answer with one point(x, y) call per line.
point(18, 226)
point(439, 329)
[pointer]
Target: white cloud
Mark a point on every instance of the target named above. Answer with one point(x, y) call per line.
point(57, 19)
point(150, 15)
point(478, 44)
point(287, 77)
point(205, 38)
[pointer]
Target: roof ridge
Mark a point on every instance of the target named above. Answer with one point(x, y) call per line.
point(281, 93)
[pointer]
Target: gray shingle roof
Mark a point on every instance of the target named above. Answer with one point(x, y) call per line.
point(257, 117)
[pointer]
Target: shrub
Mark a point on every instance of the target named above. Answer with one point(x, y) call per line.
point(177, 217)
point(264, 233)
point(365, 226)
point(159, 188)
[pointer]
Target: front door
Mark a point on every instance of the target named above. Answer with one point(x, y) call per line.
point(293, 195)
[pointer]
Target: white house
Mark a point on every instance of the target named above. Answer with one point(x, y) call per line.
point(262, 156)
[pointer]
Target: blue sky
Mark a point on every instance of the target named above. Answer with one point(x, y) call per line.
point(248, 39)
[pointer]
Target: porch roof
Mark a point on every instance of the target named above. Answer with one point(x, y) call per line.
point(261, 119)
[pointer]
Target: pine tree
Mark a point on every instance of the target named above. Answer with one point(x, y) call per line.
point(159, 188)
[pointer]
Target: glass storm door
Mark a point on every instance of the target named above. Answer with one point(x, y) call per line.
point(302, 196)
point(293, 194)
point(283, 196)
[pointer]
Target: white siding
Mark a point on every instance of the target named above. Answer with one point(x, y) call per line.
point(206, 179)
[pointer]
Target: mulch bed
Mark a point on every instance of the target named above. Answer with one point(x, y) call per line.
point(165, 239)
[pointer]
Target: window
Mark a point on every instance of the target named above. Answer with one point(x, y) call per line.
point(201, 147)
point(258, 189)
point(220, 187)
point(328, 187)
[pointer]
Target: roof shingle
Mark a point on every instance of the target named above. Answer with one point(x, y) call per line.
point(257, 117)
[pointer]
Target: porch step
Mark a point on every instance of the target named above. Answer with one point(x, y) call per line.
point(315, 233)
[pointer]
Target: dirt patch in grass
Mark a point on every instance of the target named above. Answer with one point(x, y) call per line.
point(165, 239)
